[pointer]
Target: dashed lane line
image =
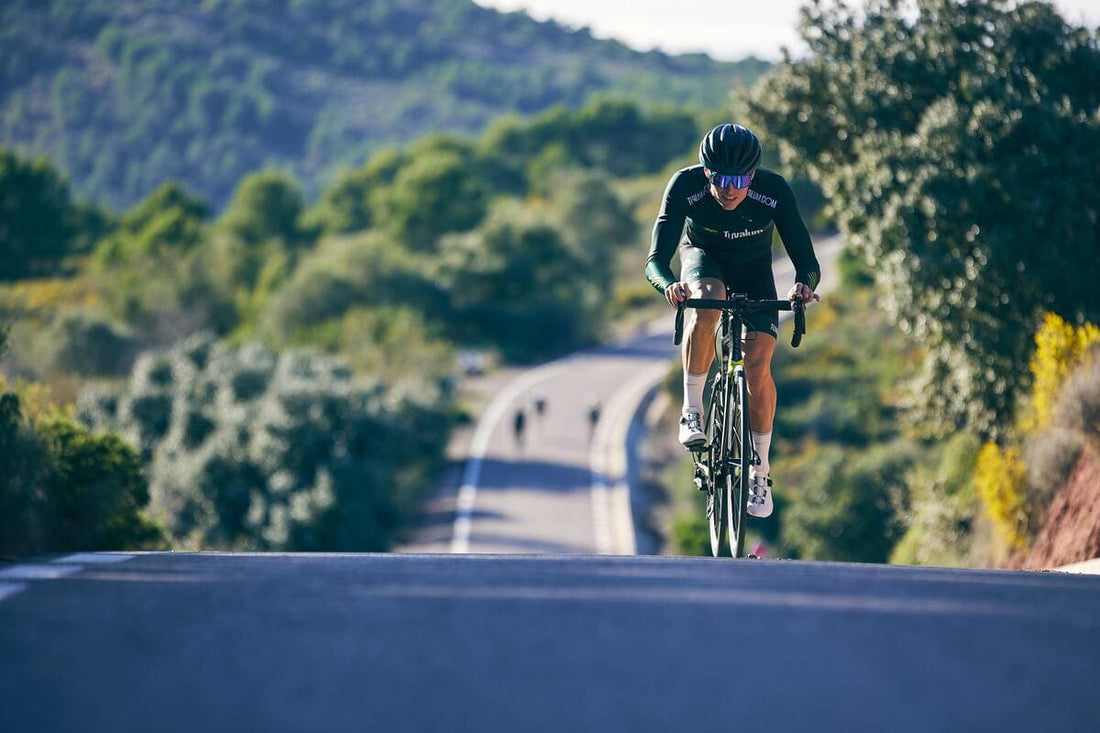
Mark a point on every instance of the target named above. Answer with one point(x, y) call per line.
point(94, 558)
point(7, 590)
point(38, 572)
point(58, 568)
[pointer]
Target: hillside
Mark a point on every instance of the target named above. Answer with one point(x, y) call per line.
point(123, 96)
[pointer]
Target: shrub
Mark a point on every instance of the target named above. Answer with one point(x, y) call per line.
point(84, 343)
point(1078, 404)
point(95, 490)
point(849, 510)
point(942, 507)
point(999, 480)
point(1059, 348)
point(1050, 457)
point(63, 488)
point(253, 449)
point(691, 535)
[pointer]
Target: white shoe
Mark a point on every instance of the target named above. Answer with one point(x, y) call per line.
point(692, 436)
point(760, 496)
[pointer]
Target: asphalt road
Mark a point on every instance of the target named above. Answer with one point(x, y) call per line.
point(179, 642)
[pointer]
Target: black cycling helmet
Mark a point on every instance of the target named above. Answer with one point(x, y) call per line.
point(731, 150)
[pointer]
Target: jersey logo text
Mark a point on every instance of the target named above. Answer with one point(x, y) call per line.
point(696, 196)
point(766, 200)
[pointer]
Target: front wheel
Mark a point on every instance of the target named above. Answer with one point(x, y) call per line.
point(741, 458)
point(716, 517)
point(715, 466)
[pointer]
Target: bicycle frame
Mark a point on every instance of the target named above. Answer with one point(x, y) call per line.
point(723, 467)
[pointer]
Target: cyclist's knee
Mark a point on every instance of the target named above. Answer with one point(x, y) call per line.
point(758, 349)
point(709, 288)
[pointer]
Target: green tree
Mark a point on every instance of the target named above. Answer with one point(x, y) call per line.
point(433, 194)
point(514, 284)
point(35, 217)
point(266, 205)
point(958, 147)
point(148, 268)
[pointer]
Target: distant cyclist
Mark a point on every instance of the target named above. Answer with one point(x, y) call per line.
point(593, 414)
point(519, 422)
point(730, 206)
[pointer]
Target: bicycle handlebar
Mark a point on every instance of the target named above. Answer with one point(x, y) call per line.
point(744, 307)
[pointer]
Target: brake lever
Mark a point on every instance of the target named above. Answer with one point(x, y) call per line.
point(799, 308)
point(678, 335)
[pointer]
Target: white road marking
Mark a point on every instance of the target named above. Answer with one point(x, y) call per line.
point(479, 446)
point(94, 558)
point(38, 572)
point(611, 512)
point(10, 589)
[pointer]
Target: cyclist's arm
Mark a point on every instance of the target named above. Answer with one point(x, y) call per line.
point(796, 239)
point(666, 236)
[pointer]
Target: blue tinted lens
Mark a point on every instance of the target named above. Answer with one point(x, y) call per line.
point(736, 181)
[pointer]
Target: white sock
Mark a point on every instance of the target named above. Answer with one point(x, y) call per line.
point(693, 391)
point(763, 444)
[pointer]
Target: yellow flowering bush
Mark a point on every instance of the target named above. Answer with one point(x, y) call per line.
point(1000, 480)
point(1060, 347)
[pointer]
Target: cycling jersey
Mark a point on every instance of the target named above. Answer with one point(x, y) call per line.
point(735, 237)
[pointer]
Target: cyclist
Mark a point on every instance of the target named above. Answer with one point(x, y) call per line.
point(593, 414)
point(731, 206)
point(519, 422)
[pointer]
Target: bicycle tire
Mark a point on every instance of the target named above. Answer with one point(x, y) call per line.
point(738, 487)
point(715, 464)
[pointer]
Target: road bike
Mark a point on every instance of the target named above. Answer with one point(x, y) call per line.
point(722, 465)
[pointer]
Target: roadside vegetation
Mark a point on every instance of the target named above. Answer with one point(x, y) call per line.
point(280, 375)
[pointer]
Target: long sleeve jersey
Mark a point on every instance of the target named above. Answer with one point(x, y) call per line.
point(738, 236)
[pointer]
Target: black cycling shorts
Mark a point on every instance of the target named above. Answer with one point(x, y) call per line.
point(754, 278)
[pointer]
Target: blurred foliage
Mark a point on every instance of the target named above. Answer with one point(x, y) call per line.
point(957, 144)
point(1060, 348)
point(942, 505)
point(40, 225)
point(127, 97)
point(64, 488)
point(1000, 478)
point(248, 448)
point(514, 284)
point(148, 268)
point(848, 509)
point(691, 535)
point(267, 205)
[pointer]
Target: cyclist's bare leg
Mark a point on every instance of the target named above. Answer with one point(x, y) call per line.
point(700, 325)
point(759, 348)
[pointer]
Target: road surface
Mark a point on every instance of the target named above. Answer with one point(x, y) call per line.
point(212, 643)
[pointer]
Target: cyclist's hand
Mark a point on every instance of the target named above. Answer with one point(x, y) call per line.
point(804, 292)
point(676, 293)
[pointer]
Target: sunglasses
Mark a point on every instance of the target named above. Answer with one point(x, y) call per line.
point(723, 181)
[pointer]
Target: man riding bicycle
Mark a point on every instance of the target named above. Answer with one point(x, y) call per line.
point(730, 207)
